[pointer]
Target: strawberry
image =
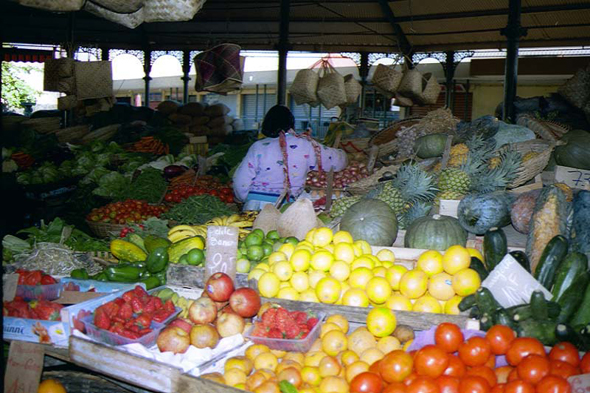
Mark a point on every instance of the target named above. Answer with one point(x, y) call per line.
point(143, 332)
point(269, 316)
point(160, 316)
point(283, 319)
point(101, 319)
point(128, 296)
point(125, 312)
point(274, 333)
point(300, 317)
point(157, 302)
point(130, 334)
point(169, 306)
point(139, 291)
point(136, 305)
point(259, 330)
point(46, 279)
point(120, 301)
point(292, 330)
point(149, 306)
point(311, 322)
point(117, 328)
point(144, 320)
point(33, 277)
point(48, 311)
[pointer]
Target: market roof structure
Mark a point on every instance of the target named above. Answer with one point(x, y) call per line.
point(326, 26)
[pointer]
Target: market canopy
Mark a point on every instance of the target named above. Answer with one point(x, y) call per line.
point(325, 26)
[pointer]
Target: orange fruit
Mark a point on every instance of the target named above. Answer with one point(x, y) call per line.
point(311, 375)
point(427, 303)
point(440, 286)
point(51, 386)
point(452, 305)
point(234, 376)
point(360, 340)
point(381, 321)
point(334, 342)
point(344, 252)
point(329, 366)
point(256, 350)
point(456, 258)
point(466, 282)
point(385, 255)
point(338, 320)
point(355, 297)
point(328, 327)
point(328, 290)
point(333, 384)
point(397, 301)
point(430, 262)
point(378, 290)
point(394, 275)
point(413, 284)
point(372, 355)
point(355, 369)
point(322, 260)
point(388, 343)
point(360, 277)
point(348, 357)
point(266, 360)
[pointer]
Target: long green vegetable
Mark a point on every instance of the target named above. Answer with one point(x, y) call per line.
point(198, 210)
point(149, 186)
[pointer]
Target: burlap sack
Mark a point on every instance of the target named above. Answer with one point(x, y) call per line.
point(217, 110)
point(331, 91)
point(411, 84)
point(94, 79)
point(304, 87)
point(171, 10)
point(200, 130)
point(192, 109)
point(167, 107)
point(56, 69)
point(200, 121)
point(353, 89)
point(220, 121)
point(577, 89)
point(430, 90)
point(387, 78)
point(67, 102)
point(54, 5)
point(180, 119)
point(221, 130)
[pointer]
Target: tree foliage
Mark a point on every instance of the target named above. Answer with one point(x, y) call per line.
point(15, 90)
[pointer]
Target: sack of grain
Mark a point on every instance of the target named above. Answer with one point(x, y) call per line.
point(200, 130)
point(167, 107)
point(180, 119)
point(222, 130)
point(217, 110)
point(193, 109)
point(200, 121)
point(220, 121)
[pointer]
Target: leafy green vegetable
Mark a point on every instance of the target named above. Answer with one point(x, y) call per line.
point(149, 186)
point(198, 209)
point(113, 185)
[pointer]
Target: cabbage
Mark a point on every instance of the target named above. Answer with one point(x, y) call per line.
point(112, 185)
point(9, 166)
point(95, 175)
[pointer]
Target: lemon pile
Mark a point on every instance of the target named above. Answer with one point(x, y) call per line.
point(332, 268)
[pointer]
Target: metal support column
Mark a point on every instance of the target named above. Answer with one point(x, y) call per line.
point(283, 48)
point(104, 54)
point(364, 73)
point(147, 67)
point(449, 68)
point(513, 32)
point(186, 67)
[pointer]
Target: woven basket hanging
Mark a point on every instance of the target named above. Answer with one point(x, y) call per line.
point(304, 87)
point(401, 100)
point(387, 78)
point(94, 79)
point(171, 10)
point(54, 5)
point(411, 84)
point(431, 90)
point(120, 6)
point(129, 20)
point(55, 70)
point(67, 102)
point(577, 89)
point(219, 69)
point(353, 89)
point(331, 90)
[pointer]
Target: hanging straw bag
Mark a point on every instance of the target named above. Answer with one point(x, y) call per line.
point(331, 91)
point(387, 78)
point(403, 101)
point(411, 83)
point(54, 5)
point(430, 90)
point(353, 89)
point(576, 90)
point(171, 10)
point(55, 71)
point(304, 87)
point(129, 20)
point(220, 69)
point(120, 6)
point(94, 79)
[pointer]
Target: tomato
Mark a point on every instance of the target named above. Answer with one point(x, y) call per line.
point(395, 387)
point(521, 347)
point(422, 384)
point(410, 378)
point(566, 352)
point(475, 351)
point(500, 337)
point(485, 372)
point(533, 368)
point(519, 386)
point(448, 337)
point(47, 280)
point(366, 382)
point(395, 366)
point(431, 361)
point(33, 277)
point(374, 368)
point(448, 384)
point(456, 368)
point(513, 375)
point(473, 384)
point(562, 369)
point(499, 388)
point(553, 384)
point(491, 362)
point(502, 373)
point(585, 363)
point(168, 198)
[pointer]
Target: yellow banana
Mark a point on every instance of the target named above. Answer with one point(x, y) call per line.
point(180, 228)
point(233, 218)
point(181, 235)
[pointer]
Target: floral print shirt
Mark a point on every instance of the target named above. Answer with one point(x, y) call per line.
point(262, 169)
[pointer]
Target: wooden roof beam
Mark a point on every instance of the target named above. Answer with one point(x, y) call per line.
point(402, 41)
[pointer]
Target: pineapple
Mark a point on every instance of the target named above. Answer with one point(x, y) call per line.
point(341, 205)
point(498, 178)
point(393, 197)
point(449, 195)
point(458, 155)
point(494, 162)
point(568, 192)
point(455, 180)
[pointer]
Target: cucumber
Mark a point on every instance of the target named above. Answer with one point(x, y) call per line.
point(467, 302)
point(571, 299)
point(564, 332)
point(552, 256)
point(495, 247)
point(485, 301)
point(582, 315)
point(572, 266)
point(524, 311)
point(479, 267)
point(486, 322)
point(475, 312)
point(501, 317)
point(539, 306)
point(542, 330)
point(522, 259)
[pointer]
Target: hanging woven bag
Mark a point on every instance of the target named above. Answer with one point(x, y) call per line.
point(387, 78)
point(411, 84)
point(431, 90)
point(353, 89)
point(304, 87)
point(331, 91)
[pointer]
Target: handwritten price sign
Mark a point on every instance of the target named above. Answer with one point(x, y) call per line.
point(222, 249)
point(23, 367)
point(573, 177)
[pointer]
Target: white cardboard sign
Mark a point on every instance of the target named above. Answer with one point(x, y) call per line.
point(573, 177)
point(511, 284)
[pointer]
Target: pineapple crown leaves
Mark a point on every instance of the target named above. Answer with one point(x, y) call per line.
point(418, 209)
point(480, 152)
point(415, 184)
point(488, 180)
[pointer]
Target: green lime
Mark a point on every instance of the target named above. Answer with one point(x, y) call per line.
point(267, 248)
point(258, 232)
point(273, 235)
point(253, 239)
point(293, 240)
point(239, 254)
point(269, 242)
point(183, 260)
point(276, 246)
point(255, 253)
point(264, 260)
point(195, 257)
point(243, 265)
point(282, 239)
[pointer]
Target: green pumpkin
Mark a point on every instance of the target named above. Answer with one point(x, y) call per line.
point(429, 146)
point(478, 213)
point(371, 220)
point(576, 152)
point(435, 233)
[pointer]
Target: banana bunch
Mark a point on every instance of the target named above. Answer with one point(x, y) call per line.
point(181, 232)
point(179, 301)
point(235, 220)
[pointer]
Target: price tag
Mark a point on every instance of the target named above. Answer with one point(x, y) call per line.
point(9, 285)
point(573, 177)
point(24, 367)
point(222, 248)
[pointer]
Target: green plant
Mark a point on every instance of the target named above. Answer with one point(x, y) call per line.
point(15, 90)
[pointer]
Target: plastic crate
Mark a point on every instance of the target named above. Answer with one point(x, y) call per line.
point(39, 292)
point(289, 345)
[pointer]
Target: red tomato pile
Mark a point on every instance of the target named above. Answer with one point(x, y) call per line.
point(34, 309)
point(131, 315)
point(456, 365)
point(181, 193)
point(34, 277)
point(125, 212)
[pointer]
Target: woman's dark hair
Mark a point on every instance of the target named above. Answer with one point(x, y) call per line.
point(278, 118)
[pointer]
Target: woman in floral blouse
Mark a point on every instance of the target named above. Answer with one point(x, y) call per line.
point(279, 163)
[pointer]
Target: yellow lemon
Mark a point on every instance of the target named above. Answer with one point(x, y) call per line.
point(304, 243)
point(427, 303)
point(276, 256)
point(328, 247)
point(328, 290)
point(358, 251)
point(334, 342)
point(300, 260)
point(456, 258)
point(268, 284)
point(299, 281)
point(309, 296)
point(387, 264)
point(386, 255)
point(430, 262)
point(360, 277)
point(283, 270)
point(394, 275)
point(339, 320)
point(355, 297)
point(466, 282)
point(285, 284)
point(362, 262)
point(378, 290)
point(263, 266)
point(344, 252)
point(440, 286)
point(475, 253)
point(379, 271)
point(309, 236)
point(364, 246)
point(328, 327)
point(388, 343)
point(342, 237)
point(413, 284)
point(315, 276)
point(288, 249)
point(322, 260)
point(373, 258)
point(397, 301)
point(381, 322)
point(452, 305)
point(322, 237)
point(340, 270)
point(288, 293)
point(255, 274)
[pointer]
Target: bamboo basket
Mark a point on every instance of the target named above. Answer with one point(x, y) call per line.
point(365, 185)
point(535, 165)
point(74, 381)
point(354, 145)
point(389, 133)
point(104, 229)
point(43, 125)
point(71, 133)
